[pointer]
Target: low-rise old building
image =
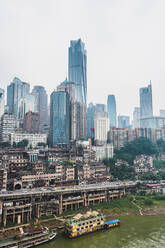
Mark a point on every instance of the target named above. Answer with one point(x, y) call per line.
point(13, 159)
point(119, 162)
point(143, 164)
point(3, 179)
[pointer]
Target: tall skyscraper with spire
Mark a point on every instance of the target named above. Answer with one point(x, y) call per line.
point(111, 108)
point(146, 109)
point(77, 71)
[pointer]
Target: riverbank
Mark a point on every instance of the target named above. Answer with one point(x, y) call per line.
point(130, 205)
point(127, 206)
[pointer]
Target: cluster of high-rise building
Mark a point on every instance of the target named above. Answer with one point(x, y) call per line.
point(27, 114)
point(103, 124)
point(68, 102)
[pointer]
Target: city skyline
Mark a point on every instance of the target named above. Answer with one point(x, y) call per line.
point(122, 54)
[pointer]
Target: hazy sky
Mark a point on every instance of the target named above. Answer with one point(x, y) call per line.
point(125, 42)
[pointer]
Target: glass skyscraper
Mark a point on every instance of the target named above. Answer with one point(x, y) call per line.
point(111, 108)
point(123, 121)
point(16, 91)
point(59, 118)
point(77, 69)
point(42, 104)
point(136, 117)
point(90, 120)
point(146, 109)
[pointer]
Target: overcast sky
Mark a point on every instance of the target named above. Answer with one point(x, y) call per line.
point(125, 42)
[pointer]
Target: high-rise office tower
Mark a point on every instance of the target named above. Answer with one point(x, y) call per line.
point(162, 112)
point(100, 107)
point(59, 118)
point(42, 104)
point(69, 87)
point(92, 111)
point(78, 74)
point(26, 104)
point(111, 109)
point(136, 117)
point(146, 109)
point(90, 120)
point(123, 121)
point(80, 121)
point(77, 69)
point(16, 91)
point(2, 101)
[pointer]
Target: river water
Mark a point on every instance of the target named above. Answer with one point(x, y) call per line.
point(134, 232)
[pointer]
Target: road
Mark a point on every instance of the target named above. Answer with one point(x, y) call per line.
point(49, 190)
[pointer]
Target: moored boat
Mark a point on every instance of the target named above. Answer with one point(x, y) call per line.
point(29, 240)
point(88, 223)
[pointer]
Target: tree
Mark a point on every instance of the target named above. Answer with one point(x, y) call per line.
point(23, 143)
point(5, 144)
point(120, 172)
point(134, 148)
point(148, 202)
point(161, 145)
point(14, 145)
point(41, 144)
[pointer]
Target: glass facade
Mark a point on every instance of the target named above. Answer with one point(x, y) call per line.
point(59, 118)
point(90, 120)
point(123, 121)
point(42, 104)
point(146, 109)
point(15, 92)
point(111, 108)
point(136, 117)
point(77, 69)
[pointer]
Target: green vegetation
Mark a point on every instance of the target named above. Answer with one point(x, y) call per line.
point(114, 207)
point(130, 204)
point(160, 145)
point(154, 177)
point(135, 148)
point(128, 153)
point(148, 202)
point(47, 217)
point(5, 144)
point(149, 176)
point(21, 144)
point(121, 172)
point(159, 164)
point(41, 144)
